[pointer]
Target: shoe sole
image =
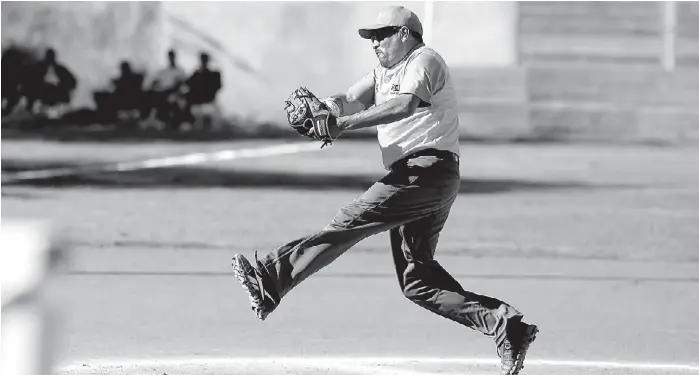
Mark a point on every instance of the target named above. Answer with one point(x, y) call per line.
point(532, 330)
point(241, 270)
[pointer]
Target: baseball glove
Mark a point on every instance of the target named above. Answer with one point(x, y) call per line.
point(309, 116)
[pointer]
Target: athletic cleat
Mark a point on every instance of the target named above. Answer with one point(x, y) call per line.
point(514, 349)
point(245, 274)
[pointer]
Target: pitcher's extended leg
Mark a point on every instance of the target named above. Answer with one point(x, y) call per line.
point(403, 195)
point(397, 198)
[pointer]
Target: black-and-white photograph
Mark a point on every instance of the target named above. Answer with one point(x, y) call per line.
point(350, 187)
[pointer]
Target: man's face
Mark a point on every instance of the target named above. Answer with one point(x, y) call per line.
point(388, 45)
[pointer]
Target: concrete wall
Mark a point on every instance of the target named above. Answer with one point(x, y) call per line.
point(268, 48)
point(264, 49)
point(90, 37)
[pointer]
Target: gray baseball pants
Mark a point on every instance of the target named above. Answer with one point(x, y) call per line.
point(412, 202)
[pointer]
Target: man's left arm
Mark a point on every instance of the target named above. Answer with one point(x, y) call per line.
point(392, 110)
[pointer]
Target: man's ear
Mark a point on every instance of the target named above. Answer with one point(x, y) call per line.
point(404, 34)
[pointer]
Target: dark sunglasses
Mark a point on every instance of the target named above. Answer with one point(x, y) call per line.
point(385, 32)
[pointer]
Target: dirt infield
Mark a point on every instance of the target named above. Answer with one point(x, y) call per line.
point(597, 245)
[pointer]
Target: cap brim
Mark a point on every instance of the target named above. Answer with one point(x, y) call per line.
point(368, 32)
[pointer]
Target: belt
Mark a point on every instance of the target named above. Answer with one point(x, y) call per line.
point(448, 155)
point(443, 154)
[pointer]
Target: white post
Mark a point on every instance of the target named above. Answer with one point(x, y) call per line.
point(669, 37)
point(28, 258)
point(427, 22)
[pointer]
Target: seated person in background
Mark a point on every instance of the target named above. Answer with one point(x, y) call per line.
point(16, 65)
point(202, 86)
point(49, 83)
point(165, 89)
point(204, 83)
point(127, 85)
point(125, 93)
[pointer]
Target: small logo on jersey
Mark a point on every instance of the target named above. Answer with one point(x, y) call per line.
point(395, 87)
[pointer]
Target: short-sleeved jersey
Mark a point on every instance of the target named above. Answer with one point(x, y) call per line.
point(435, 123)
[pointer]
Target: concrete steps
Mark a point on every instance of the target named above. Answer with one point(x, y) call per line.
point(687, 47)
point(584, 8)
point(591, 71)
point(605, 32)
point(493, 102)
point(591, 32)
point(572, 103)
point(634, 50)
point(611, 86)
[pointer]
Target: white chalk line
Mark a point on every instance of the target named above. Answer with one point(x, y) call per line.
point(170, 161)
point(361, 364)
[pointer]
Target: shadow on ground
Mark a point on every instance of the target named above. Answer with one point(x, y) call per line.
point(133, 132)
point(20, 195)
point(206, 177)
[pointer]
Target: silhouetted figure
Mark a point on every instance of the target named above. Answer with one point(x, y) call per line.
point(204, 83)
point(125, 94)
point(48, 83)
point(16, 66)
point(166, 91)
point(202, 86)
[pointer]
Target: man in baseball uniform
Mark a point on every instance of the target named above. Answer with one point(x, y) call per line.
point(411, 100)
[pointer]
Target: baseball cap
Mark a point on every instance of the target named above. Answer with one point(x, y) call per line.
point(393, 16)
